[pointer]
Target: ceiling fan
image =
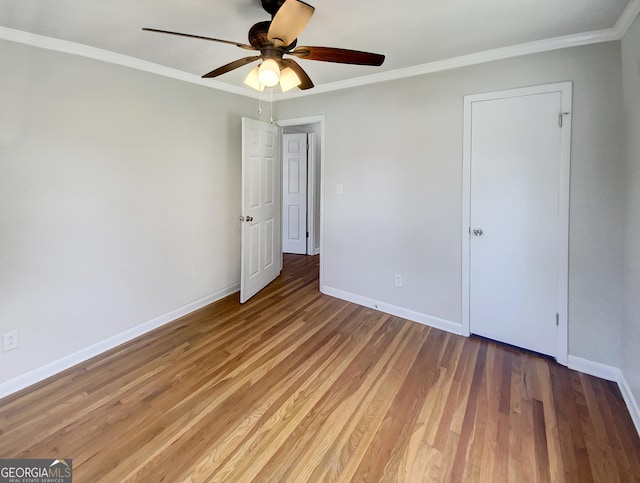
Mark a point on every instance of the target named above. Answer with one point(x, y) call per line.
point(278, 37)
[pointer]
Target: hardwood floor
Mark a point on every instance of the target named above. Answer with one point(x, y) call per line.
point(299, 386)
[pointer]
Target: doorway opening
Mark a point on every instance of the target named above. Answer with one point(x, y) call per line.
point(313, 128)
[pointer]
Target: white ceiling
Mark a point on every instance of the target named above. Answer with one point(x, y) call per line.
point(408, 32)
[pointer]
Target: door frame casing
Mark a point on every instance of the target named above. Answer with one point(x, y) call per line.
point(565, 89)
point(314, 120)
point(311, 191)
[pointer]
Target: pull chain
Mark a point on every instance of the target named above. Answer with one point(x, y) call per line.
point(259, 103)
point(271, 105)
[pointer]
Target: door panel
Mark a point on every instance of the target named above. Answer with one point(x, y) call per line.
point(269, 180)
point(261, 254)
point(294, 197)
point(293, 220)
point(514, 220)
point(269, 243)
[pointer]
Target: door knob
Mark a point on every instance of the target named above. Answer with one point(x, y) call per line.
point(477, 231)
point(249, 218)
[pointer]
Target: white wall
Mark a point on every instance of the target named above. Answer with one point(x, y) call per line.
point(119, 199)
point(396, 148)
point(630, 363)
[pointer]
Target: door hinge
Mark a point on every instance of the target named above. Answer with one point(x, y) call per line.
point(561, 117)
point(307, 234)
point(557, 319)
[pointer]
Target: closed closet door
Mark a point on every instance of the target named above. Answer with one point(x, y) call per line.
point(515, 220)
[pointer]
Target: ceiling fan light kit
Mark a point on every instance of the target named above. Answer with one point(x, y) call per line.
point(278, 37)
point(253, 81)
point(288, 79)
point(269, 73)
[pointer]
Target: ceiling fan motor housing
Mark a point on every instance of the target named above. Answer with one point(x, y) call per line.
point(258, 37)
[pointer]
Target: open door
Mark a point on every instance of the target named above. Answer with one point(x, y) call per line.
point(261, 242)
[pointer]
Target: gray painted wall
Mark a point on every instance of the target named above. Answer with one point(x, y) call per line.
point(631, 221)
point(397, 149)
point(120, 191)
point(119, 199)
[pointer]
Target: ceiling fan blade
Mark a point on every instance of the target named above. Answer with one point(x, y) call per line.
point(341, 56)
point(289, 21)
point(230, 66)
point(302, 75)
point(237, 44)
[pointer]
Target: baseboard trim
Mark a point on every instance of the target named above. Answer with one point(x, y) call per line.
point(391, 309)
point(592, 368)
point(632, 404)
point(25, 380)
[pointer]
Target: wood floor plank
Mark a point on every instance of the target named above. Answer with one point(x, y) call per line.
point(554, 452)
point(540, 442)
point(567, 418)
point(298, 386)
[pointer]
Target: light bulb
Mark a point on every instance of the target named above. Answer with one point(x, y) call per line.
point(269, 73)
point(253, 81)
point(289, 79)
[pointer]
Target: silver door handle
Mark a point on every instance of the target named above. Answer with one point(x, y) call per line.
point(477, 231)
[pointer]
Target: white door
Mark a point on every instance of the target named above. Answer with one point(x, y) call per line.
point(294, 194)
point(517, 228)
point(261, 253)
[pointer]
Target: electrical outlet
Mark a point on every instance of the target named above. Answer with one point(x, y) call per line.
point(398, 280)
point(10, 340)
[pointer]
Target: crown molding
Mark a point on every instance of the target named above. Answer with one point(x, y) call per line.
point(556, 43)
point(631, 11)
point(629, 14)
point(82, 50)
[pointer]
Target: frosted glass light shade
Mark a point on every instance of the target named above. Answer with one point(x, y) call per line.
point(269, 73)
point(289, 79)
point(253, 81)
